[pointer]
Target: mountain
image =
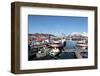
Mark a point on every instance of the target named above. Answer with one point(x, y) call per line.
point(83, 34)
point(41, 34)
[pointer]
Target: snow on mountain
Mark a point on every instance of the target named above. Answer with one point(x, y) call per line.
point(84, 34)
point(78, 34)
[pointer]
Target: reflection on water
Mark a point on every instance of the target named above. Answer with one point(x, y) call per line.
point(63, 55)
point(68, 55)
point(69, 51)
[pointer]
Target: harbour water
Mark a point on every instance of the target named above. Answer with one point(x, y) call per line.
point(63, 55)
point(69, 52)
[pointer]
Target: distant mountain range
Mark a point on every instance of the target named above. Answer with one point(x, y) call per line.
point(73, 34)
point(84, 34)
point(41, 34)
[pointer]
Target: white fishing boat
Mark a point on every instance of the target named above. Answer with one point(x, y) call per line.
point(81, 45)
